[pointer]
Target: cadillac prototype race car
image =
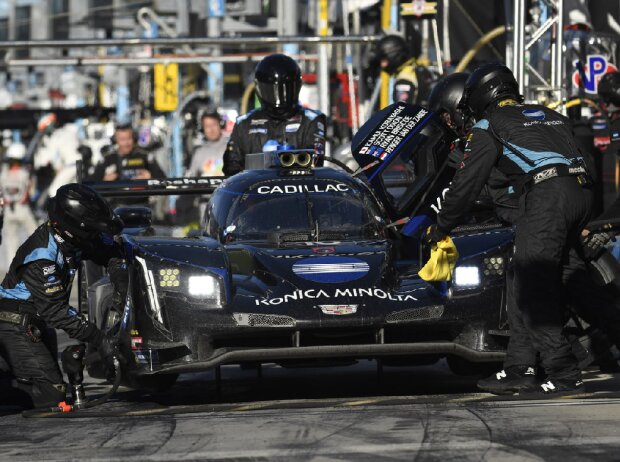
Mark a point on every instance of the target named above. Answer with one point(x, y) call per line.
point(297, 265)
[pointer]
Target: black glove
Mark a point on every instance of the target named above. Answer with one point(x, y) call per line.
point(593, 243)
point(433, 235)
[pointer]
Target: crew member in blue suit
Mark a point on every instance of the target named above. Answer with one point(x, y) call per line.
point(34, 295)
point(534, 148)
point(279, 121)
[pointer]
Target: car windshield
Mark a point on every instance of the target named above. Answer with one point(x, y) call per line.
point(299, 211)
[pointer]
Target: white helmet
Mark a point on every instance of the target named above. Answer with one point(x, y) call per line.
point(16, 151)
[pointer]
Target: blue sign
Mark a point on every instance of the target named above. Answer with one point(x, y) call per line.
point(592, 72)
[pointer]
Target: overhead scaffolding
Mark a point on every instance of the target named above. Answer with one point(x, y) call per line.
point(178, 42)
point(545, 78)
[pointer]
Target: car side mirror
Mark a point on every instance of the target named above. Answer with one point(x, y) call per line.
point(135, 217)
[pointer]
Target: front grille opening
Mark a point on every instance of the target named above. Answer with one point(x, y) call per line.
point(415, 314)
point(287, 338)
point(263, 320)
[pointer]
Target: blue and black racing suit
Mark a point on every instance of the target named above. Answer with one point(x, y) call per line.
point(534, 148)
point(34, 300)
point(257, 131)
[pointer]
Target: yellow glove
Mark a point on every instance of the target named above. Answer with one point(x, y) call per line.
point(440, 265)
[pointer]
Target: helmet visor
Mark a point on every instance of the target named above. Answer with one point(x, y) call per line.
point(282, 94)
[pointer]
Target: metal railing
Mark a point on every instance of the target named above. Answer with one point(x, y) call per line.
point(178, 42)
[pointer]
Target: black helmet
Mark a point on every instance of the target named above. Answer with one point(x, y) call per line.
point(488, 83)
point(394, 49)
point(609, 88)
point(446, 97)
point(278, 81)
point(79, 213)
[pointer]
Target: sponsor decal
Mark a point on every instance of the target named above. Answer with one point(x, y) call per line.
point(545, 174)
point(53, 289)
point(257, 130)
point(301, 188)
point(602, 142)
point(72, 311)
point(291, 128)
point(392, 132)
point(185, 181)
point(318, 294)
point(320, 126)
point(47, 270)
point(331, 269)
point(52, 279)
point(338, 310)
point(595, 67)
point(601, 126)
point(437, 207)
point(136, 342)
point(258, 122)
point(133, 162)
point(419, 9)
point(543, 122)
point(534, 114)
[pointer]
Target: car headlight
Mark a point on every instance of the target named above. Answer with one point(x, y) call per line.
point(466, 276)
point(169, 277)
point(494, 266)
point(204, 286)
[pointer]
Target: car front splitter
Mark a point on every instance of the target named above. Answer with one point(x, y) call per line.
point(229, 356)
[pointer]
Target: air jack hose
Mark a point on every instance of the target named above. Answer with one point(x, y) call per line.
point(64, 407)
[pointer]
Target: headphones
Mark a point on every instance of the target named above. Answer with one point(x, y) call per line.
point(125, 126)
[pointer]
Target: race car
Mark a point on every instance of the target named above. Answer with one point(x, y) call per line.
point(297, 265)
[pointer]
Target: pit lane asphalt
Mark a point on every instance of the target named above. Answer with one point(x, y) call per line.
point(343, 413)
point(324, 414)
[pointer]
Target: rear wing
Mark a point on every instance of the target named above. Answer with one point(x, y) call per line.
point(155, 187)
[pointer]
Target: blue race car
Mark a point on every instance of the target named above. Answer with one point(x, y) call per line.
point(298, 265)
